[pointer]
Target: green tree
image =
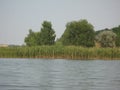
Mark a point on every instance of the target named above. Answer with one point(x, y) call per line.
point(117, 31)
point(44, 37)
point(47, 36)
point(106, 38)
point(79, 33)
point(31, 39)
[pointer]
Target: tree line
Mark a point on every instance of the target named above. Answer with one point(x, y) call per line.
point(77, 33)
point(44, 37)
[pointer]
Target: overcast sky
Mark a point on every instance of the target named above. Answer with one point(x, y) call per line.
point(18, 16)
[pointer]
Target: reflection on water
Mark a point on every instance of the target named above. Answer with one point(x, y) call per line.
point(39, 74)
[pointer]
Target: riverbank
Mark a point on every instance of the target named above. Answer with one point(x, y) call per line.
point(63, 52)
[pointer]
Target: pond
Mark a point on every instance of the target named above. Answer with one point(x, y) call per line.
point(59, 74)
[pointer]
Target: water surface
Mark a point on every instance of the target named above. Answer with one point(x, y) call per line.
point(47, 74)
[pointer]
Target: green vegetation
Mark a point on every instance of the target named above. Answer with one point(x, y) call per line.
point(79, 33)
point(106, 38)
point(77, 42)
point(32, 38)
point(60, 51)
point(45, 37)
point(116, 30)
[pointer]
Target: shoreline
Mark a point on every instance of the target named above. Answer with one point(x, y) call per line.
point(61, 52)
point(106, 59)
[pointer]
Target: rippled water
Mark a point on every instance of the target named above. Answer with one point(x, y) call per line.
point(43, 74)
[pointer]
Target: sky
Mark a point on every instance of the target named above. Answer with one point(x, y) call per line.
point(18, 16)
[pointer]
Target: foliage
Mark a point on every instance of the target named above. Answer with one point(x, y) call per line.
point(106, 38)
point(117, 31)
point(78, 33)
point(45, 37)
point(66, 52)
point(47, 34)
point(32, 39)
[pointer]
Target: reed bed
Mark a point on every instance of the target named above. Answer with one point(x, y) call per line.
point(65, 52)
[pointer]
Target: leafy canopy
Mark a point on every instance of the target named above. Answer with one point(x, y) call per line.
point(32, 38)
point(79, 33)
point(106, 38)
point(117, 31)
point(45, 37)
point(47, 34)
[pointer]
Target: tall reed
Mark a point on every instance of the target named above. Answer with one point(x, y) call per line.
point(59, 51)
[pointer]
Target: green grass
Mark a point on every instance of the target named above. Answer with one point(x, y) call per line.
point(66, 52)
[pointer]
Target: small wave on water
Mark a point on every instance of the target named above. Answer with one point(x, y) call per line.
point(39, 74)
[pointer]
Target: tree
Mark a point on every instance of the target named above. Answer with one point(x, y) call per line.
point(47, 34)
point(44, 37)
point(106, 38)
point(79, 33)
point(117, 31)
point(31, 39)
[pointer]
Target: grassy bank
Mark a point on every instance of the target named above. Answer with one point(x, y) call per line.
point(66, 52)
